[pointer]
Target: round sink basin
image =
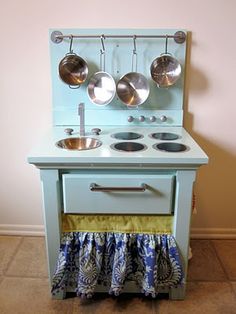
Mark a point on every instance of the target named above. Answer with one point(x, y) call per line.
point(79, 143)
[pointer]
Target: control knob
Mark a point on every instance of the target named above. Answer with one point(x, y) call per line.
point(141, 118)
point(152, 119)
point(163, 118)
point(130, 118)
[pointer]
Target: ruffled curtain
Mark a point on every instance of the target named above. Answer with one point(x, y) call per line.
point(87, 259)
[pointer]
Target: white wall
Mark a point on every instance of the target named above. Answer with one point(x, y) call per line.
point(26, 102)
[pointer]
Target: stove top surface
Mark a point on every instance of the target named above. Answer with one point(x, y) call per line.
point(120, 146)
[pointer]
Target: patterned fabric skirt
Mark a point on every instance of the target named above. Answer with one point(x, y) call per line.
point(87, 259)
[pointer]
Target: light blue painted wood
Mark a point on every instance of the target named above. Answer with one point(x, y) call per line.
point(182, 218)
point(118, 63)
point(52, 218)
point(118, 117)
point(156, 199)
point(46, 154)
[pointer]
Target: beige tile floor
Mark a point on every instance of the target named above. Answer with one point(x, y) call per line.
point(24, 285)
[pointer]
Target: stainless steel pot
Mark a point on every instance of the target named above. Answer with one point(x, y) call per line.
point(101, 87)
point(73, 70)
point(165, 70)
point(133, 88)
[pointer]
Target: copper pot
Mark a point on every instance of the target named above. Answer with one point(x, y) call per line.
point(73, 70)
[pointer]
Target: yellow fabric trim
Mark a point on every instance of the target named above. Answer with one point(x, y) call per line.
point(117, 223)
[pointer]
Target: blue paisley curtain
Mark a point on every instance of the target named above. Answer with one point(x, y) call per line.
point(87, 259)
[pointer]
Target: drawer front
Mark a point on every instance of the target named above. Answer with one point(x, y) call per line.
point(113, 194)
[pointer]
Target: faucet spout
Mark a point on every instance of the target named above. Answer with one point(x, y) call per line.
point(82, 120)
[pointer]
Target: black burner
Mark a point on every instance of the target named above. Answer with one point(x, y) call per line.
point(128, 146)
point(164, 136)
point(171, 147)
point(126, 136)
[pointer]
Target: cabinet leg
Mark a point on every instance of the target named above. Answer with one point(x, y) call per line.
point(60, 295)
point(182, 215)
point(177, 293)
point(52, 215)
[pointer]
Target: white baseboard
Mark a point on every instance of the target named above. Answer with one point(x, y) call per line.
point(196, 233)
point(22, 230)
point(213, 233)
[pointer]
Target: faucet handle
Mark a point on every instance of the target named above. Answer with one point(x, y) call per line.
point(68, 131)
point(96, 131)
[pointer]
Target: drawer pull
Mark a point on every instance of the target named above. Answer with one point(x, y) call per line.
point(98, 188)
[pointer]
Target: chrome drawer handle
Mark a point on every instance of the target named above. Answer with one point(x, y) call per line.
point(98, 188)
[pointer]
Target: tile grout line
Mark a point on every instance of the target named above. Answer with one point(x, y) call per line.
point(224, 269)
point(213, 258)
point(17, 275)
point(13, 256)
point(220, 261)
point(234, 291)
point(21, 277)
point(226, 280)
point(25, 276)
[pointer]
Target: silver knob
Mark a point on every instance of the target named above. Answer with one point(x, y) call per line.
point(141, 118)
point(163, 118)
point(152, 119)
point(96, 131)
point(130, 118)
point(68, 131)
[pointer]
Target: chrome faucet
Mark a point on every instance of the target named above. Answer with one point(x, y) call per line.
point(82, 120)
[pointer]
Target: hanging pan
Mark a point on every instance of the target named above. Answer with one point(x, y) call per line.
point(165, 70)
point(73, 70)
point(101, 87)
point(133, 87)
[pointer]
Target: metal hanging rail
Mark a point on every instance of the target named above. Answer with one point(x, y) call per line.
point(57, 36)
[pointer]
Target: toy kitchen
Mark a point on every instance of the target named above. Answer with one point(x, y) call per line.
point(117, 166)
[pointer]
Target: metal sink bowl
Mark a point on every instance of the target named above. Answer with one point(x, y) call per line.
point(79, 143)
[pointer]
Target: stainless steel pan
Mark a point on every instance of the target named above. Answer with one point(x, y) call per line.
point(73, 70)
point(101, 87)
point(165, 70)
point(133, 88)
